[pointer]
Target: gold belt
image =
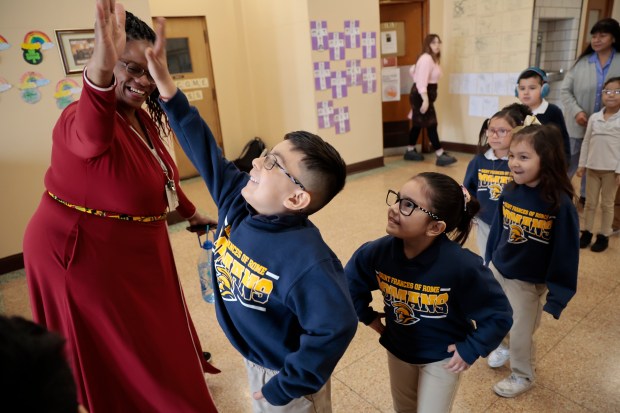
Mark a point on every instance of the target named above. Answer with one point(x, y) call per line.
point(108, 214)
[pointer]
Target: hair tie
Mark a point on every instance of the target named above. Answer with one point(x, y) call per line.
point(529, 121)
point(466, 197)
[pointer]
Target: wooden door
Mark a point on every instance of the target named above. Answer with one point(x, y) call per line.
point(189, 61)
point(597, 10)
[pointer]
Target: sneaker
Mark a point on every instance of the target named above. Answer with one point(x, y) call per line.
point(498, 357)
point(207, 356)
point(413, 155)
point(601, 244)
point(512, 386)
point(444, 159)
point(585, 239)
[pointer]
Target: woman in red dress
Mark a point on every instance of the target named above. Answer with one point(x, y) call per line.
point(99, 263)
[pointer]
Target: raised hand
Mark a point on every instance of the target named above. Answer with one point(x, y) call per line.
point(110, 39)
point(157, 62)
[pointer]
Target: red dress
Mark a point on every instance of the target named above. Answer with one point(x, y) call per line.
point(111, 286)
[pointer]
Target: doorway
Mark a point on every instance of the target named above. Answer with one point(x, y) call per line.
point(189, 61)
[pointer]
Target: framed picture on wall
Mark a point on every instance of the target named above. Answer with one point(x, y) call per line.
point(75, 47)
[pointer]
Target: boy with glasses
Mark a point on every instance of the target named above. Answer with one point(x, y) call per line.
point(532, 88)
point(282, 300)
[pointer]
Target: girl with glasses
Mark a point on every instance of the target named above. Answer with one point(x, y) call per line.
point(432, 288)
point(488, 172)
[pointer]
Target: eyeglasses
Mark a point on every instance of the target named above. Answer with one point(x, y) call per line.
point(611, 92)
point(270, 161)
point(501, 132)
point(406, 206)
point(137, 71)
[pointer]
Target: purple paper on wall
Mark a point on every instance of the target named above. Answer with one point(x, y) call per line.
point(325, 111)
point(339, 84)
point(322, 76)
point(318, 33)
point(336, 46)
point(354, 73)
point(369, 80)
point(341, 120)
point(369, 45)
point(352, 34)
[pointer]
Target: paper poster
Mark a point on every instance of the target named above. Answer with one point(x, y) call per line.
point(388, 42)
point(29, 86)
point(483, 106)
point(336, 46)
point(390, 84)
point(339, 84)
point(318, 33)
point(34, 43)
point(369, 80)
point(4, 85)
point(3, 43)
point(369, 45)
point(322, 76)
point(67, 91)
point(352, 34)
point(341, 120)
point(354, 73)
point(325, 112)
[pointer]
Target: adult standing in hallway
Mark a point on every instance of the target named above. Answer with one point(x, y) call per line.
point(98, 258)
point(426, 73)
point(583, 84)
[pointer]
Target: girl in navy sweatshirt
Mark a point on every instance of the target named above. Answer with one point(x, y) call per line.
point(533, 247)
point(433, 289)
point(488, 172)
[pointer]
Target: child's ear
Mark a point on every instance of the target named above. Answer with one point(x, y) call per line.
point(435, 228)
point(297, 200)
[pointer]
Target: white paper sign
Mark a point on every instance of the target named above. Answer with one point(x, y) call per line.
point(388, 42)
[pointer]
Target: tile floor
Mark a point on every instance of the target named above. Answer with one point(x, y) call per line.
point(578, 364)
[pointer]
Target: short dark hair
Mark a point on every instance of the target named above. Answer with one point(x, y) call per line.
point(34, 373)
point(612, 79)
point(325, 165)
point(528, 74)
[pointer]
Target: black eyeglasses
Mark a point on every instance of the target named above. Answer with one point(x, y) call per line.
point(270, 161)
point(406, 206)
point(136, 71)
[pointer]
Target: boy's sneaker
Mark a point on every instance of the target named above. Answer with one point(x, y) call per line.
point(512, 386)
point(585, 239)
point(444, 159)
point(498, 357)
point(601, 244)
point(413, 155)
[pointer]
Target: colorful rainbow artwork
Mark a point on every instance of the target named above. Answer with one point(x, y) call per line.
point(37, 40)
point(4, 85)
point(3, 43)
point(67, 91)
point(32, 80)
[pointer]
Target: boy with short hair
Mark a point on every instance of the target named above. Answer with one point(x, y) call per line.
point(532, 88)
point(283, 300)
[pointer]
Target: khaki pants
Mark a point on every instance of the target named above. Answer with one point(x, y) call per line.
point(258, 376)
point(526, 300)
point(603, 184)
point(482, 236)
point(421, 388)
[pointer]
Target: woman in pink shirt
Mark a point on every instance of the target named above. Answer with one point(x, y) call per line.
point(425, 74)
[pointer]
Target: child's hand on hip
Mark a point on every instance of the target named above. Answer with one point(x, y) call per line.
point(456, 363)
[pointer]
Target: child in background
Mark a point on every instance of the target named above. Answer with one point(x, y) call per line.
point(532, 88)
point(600, 159)
point(282, 299)
point(488, 172)
point(432, 290)
point(533, 247)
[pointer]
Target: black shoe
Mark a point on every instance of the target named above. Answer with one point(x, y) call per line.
point(601, 244)
point(444, 159)
point(413, 155)
point(585, 239)
point(206, 355)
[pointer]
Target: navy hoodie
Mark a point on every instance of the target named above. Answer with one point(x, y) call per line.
point(282, 300)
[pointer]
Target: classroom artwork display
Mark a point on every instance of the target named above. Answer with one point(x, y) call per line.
point(342, 64)
point(33, 45)
point(29, 85)
point(4, 44)
point(67, 92)
point(4, 85)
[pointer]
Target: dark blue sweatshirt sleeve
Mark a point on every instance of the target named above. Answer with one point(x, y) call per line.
point(197, 141)
point(362, 281)
point(564, 263)
point(328, 323)
point(495, 232)
point(483, 300)
point(470, 182)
